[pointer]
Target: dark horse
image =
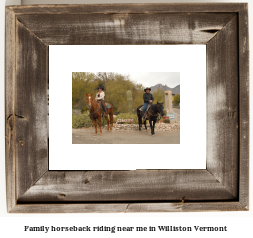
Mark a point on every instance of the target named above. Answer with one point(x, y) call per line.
point(152, 114)
point(96, 113)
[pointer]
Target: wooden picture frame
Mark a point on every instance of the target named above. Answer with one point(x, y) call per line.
point(222, 186)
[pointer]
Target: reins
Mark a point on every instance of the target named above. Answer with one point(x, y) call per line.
point(92, 113)
point(155, 115)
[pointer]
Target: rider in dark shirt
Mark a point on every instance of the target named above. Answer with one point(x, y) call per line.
point(148, 98)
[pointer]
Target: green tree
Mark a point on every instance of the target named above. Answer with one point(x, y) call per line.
point(138, 96)
point(159, 95)
point(116, 86)
point(81, 83)
point(177, 99)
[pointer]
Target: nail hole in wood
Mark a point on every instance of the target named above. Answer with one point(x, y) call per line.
point(61, 195)
point(183, 199)
point(86, 181)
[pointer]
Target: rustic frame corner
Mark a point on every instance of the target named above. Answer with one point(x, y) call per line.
point(223, 186)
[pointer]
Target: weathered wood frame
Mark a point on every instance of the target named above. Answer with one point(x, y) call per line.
point(223, 186)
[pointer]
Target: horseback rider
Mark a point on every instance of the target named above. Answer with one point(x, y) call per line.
point(148, 98)
point(100, 98)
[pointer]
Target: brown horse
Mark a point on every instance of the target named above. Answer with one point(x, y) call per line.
point(96, 113)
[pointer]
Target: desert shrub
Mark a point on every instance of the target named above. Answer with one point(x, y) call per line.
point(83, 120)
point(84, 109)
point(160, 119)
point(75, 111)
point(167, 120)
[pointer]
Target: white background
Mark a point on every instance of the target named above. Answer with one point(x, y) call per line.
point(190, 61)
point(239, 223)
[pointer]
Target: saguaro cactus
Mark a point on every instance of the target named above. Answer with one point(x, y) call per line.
point(129, 101)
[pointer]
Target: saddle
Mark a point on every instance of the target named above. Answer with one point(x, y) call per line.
point(100, 105)
point(141, 108)
point(107, 105)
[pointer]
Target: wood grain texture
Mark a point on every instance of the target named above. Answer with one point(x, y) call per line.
point(129, 207)
point(186, 207)
point(30, 108)
point(155, 8)
point(139, 185)
point(244, 106)
point(9, 109)
point(120, 29)
point(222, 107)
point(223, 186)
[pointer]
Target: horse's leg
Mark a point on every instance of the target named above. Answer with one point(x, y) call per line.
point(99, 122)
point(151, 127)
point(145, 124)
point(111, 119)
point(139, 120)
point(95, 124)
point(154, 126)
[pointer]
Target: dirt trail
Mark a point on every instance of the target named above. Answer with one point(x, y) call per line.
point(86, 136)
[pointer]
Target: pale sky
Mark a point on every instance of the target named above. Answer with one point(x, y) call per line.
point(148, 79)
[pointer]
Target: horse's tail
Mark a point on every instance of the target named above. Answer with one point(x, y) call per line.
point(111, 119)
point(110, 112)
point(138, 111)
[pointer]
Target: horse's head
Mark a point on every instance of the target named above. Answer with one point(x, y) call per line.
point(88, 99)
point(160, 108)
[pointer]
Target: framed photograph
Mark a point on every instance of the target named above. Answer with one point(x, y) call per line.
point(128, 139)
point(32, 32)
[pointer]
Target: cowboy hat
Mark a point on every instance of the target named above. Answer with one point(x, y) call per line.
point(100, 86)
point(147, 89)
